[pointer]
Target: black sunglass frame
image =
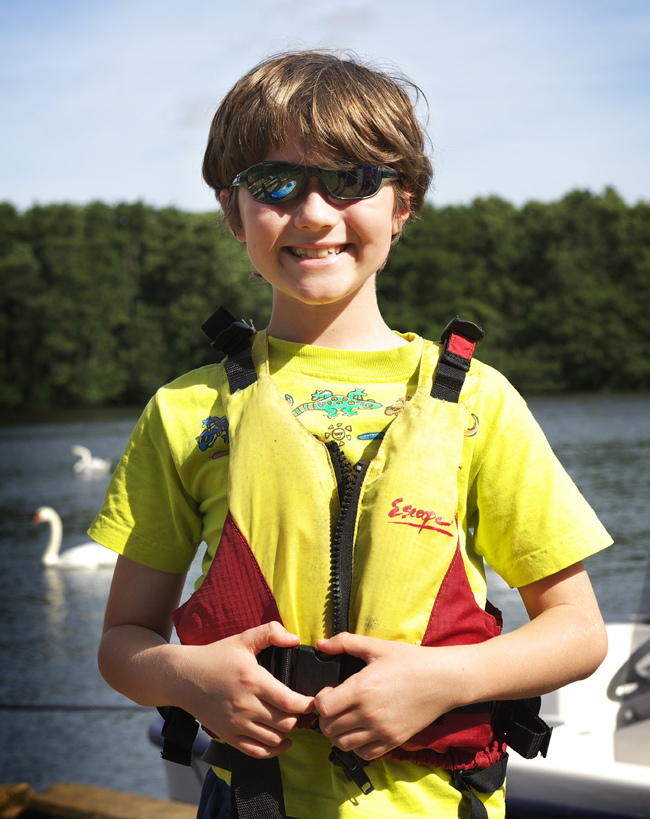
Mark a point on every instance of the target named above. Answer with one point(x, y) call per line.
point(385, 174)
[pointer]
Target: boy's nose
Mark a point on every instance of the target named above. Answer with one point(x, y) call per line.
point(313, 207)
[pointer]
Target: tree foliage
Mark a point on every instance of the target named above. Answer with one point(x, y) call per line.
point(102, 304)
point(561, 289)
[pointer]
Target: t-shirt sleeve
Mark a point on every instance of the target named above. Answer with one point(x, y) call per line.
point(148, 514)
point(532, 520)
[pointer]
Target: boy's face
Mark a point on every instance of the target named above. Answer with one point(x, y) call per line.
point(315, 250)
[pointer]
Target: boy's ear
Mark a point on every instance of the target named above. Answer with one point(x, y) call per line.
point(224, 199)
point(400, 218)
point(402, 213)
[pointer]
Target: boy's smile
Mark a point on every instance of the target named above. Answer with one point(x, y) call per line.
point(315, 250)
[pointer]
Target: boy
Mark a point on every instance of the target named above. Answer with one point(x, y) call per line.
point(348, 481)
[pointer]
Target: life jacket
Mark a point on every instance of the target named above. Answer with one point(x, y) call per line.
point(323, 549)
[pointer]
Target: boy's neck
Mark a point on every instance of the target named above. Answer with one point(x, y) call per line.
point(357, 325)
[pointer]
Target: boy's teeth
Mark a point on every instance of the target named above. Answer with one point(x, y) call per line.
point(316, 252)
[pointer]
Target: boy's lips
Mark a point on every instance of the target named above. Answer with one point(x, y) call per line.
point(316, 252)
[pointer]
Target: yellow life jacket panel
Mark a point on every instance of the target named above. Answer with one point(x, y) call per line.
point(273, 561)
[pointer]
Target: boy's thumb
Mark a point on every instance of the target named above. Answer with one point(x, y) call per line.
point(270, 634)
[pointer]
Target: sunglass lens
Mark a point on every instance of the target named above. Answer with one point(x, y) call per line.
point(353, 183)
point(268, 184)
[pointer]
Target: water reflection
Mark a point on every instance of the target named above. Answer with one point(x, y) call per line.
point(55, 605)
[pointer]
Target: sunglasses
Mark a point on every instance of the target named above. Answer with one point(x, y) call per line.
point(274, 182)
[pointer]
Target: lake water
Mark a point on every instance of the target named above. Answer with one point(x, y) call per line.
point(51, 619)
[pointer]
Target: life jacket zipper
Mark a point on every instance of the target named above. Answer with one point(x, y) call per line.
point(342, 548)
point(348, 482)
point(341, 467)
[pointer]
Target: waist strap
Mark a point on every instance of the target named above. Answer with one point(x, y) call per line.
point(306, 670)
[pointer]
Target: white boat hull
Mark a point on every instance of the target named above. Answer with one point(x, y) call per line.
point(591, 764)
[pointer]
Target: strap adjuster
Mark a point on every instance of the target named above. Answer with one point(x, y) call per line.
point(526, 732)
point(178, 733)
point(233, 338)
point(459, 340)
point(465, 328)
point(226, 334)
point(353, 766)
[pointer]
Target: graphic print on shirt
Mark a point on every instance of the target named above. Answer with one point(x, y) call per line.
point(370, 436)
point(419, 518)
point(214, 428)
point(339, 433)
point(398, 406)
point(472, 429)
point(347, 405)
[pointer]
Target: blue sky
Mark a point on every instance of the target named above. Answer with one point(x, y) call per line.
point(111, 99)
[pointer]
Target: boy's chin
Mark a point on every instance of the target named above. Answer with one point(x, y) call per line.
point(320, 296)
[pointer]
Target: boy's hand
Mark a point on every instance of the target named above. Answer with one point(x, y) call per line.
point(397, 694)
point(240, 701)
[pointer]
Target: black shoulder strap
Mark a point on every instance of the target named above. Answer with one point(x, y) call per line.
point(459, 340)
point(233, 338)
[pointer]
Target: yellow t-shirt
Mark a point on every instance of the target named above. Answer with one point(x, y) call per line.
point(337, 401)
point(528, 518)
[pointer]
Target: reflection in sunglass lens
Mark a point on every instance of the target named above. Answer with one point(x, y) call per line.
point(352, 183)
point(269, 184)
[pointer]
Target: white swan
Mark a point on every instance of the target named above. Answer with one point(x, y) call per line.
point(87, 556)
point(87, 465)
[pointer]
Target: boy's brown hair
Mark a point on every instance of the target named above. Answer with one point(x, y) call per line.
point(334, 103)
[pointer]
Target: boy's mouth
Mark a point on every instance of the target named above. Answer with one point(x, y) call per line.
point(316, 252)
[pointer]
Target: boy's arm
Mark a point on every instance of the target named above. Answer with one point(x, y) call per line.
point(404, 688)
point(220, 684)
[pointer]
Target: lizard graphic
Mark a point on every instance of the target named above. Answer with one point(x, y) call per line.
point(213, 429)
point(333, 405)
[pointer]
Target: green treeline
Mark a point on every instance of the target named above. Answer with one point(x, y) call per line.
point(101, 305)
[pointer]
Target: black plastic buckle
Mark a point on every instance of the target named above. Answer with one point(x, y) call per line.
point(464, 328)
point(313, 670)
point(307, 670)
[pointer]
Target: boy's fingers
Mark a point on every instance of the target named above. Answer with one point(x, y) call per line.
point(259, 750)
point(278, 696)
point(281, 698)
point(269, 735)
point(333, 645)
point(268, 634)
point(355, 644)
point(334, 702)
point(275, 693)
point(367, 750)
